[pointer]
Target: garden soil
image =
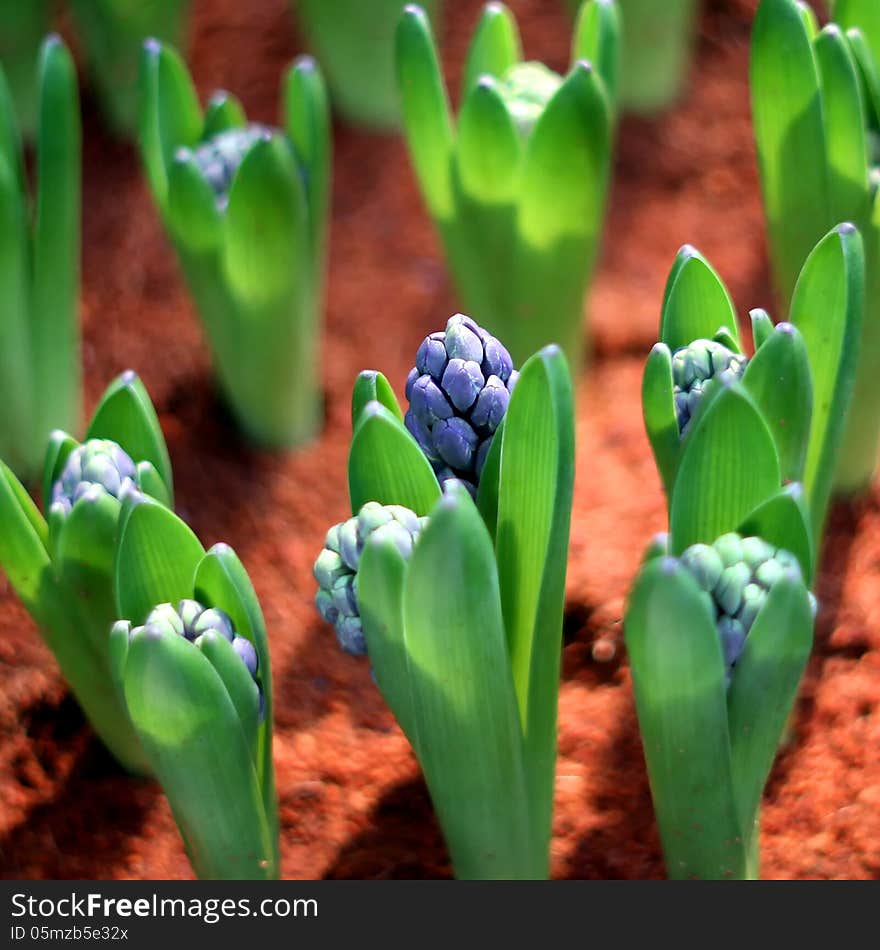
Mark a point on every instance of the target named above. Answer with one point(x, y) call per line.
point(352, 801)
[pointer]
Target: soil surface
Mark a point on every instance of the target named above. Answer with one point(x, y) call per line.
point(352, 801)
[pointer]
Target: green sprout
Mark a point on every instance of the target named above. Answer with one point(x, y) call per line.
point(61, 566)
point(816, 107)
point(656, 45)
point(40, 377)
point(246, 206)
point(710, 410)
point(191, 660)
point(718, 638)
point(354, 42)
point(23, 27)
point(112, 33)
point(457, 602)
point(517, 183)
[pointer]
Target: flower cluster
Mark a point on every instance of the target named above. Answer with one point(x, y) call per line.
point(458, 393)
point(693, 367)
point(218, 158)
point(337, 564)
point(95, 467)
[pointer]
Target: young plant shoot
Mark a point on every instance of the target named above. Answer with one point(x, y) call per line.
point(816, 108)
point(192, 662)
point(655, 56)
point(62, 565)
point(246, 206)
point(23, 25)
point(354, 42)
point(516, 183)
point(791, 396)
point(451, 577)
point(40, 376)
point(112, 33)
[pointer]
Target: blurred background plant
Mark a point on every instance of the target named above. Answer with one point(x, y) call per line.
point(40, 375)
point(353, 40)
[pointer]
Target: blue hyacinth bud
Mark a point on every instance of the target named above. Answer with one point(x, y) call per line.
point(694, 367)
point(96, 467)
point(219, 157)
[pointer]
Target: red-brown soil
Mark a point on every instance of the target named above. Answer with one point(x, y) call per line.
point(352, 801)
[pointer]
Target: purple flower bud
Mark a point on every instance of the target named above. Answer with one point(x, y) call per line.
point(462, 342)
point(491, 405)
point(456, 442)
point(245, 649)
point(497, 361)
point(462, 383)
point(410, 382)
point(428, 402)
point(431, 356)
point(422, 435)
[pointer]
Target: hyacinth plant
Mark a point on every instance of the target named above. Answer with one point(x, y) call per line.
point(40, 376)
point(191, 660)
point(61, 565)
point(719, 621)
point(22, 29)
point(451, 577)
point(246, 206)
point(354, 42)
point(112, 33)
point(816, 108)
point(780, 412)
point(516, 183)
point(656, 46)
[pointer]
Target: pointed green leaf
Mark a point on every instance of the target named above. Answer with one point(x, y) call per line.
point(193, 738)
point(266, 224)
point(223, 112)
point(864, 14)
point(534, 515)
point(156, 559)
point(869, 72)
point(696, 303)
point(597, 35)
point(125, 415)
point(192, 215)
point(843, 114)
point(372, 386)
point(490, 483)
point(678, 679)
point(658, 409)
point(790, 136)
point(23, 538)
point(470, 744)
point(728, 467)
point(763, 689)
point(778, 379)
point(827, 309)
point(488, 153)
point(385, 464)
point(783, 520)
point(762, 327)
point(381, 579)
point(494, 48)
point(239, 683)
point(54, 311)
point(426, 114)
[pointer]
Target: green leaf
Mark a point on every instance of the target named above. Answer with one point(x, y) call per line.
point(696, 303)
point(156, 559)
point(221, 580)
point(23, 539)
point(763, 689)
point(470, 744)
point(381, 579)
point(149, 481)
point(192, 215)
point(597, 35)
point(426, 115)
point(790, 136)
point(678, 679)
point(728, 467)
point(658, 409)
point(125, 415)
point(307, 123)
point(489, 150)
point(870, 75)
point(864, 14)
point(267, 225)
point(843, 114)
point(783, 520)
point(372, 386)
point(54, 310)
point(223, 112)
point(827, 309)
point(762, 327)
point(59, 448)
point(494, 48)
point(531, 540)
point(169, 115)
point(490, 482)
point(778, 379)
point(385, 464)
point(192, 735)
